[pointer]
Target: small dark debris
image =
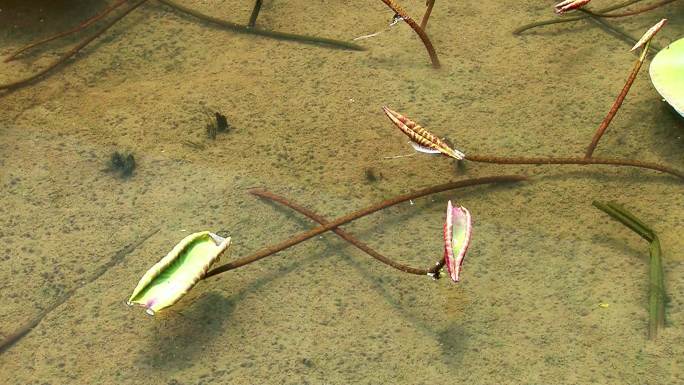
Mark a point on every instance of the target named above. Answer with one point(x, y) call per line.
point(371, 176)
point(307, 362)
point(122, 163)
point(217, 125)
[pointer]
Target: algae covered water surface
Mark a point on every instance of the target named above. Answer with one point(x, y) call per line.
point(552, 290)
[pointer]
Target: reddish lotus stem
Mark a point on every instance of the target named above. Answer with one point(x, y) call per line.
point(80, 27)
point(631, 13)
point(263, 253)
point(615, 107)
point(581, 161)
point(348, 237)
point(421, 33)
point(71, 52)
point(428, 11)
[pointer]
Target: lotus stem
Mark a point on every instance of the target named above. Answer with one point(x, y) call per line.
point(255, 13)
point(579, 161)
point(557, 20)
point(656, 295)
point(356, 215)
point(421, 33)
point(618, 102)
point(656, 291)
point(85, 24)
point(630, 13)
point(263, 32)
point(429, 4)
point(348, 237)
point(28, 80)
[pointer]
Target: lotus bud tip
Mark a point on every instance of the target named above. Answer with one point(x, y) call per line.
point(569, 5)
point(648, 35)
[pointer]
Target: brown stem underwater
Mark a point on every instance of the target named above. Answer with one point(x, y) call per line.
point(28, 80)
point(557, 20)
point(332, 43)
point(348, 237)
point(580, 161)
point(358, 214)
point(631, 13)
point(78, 28)
point(614, 108)
point(421, 33)
point(429, 4)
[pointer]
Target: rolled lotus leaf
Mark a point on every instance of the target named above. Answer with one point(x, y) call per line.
point(667, 74)
point(175, 274)
point(457, 231)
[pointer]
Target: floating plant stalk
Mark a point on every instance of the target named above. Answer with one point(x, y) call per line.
point(79, 28)
point(645, 41)
point(656, 291)
point(332, 43)
point(428, 10)
point(421, 33)
point(356, 215)
point(433, 270)
point(62, 59)
point(595, 17)
point(226, 24)
point(630, 13)
point(579, 161)
point(557, 20)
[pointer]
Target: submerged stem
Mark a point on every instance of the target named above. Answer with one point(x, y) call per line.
point(618, 102)
point(579, 161)
point(416, 28)
point(426, 16)
point(656, 290)
point(78, 28)
point(557, 20)
point(263, 32)
point(28, 80)
point(630, 13)
point(358, 214)
point(349, 238)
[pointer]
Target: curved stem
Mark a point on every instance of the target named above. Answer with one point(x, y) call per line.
point(656, 295)
point(70, 53)
point(557, 20)
point(80, 27)
point(421, 33)
point(356, 215)
point(631, 13)
point(616, 31)
point(263, 32)
point(428, 10)
point(580, 161)
point(348, 237)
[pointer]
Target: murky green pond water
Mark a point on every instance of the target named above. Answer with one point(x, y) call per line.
point(553, 291)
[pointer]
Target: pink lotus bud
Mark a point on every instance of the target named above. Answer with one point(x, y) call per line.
point(569, 5)
point(457, 231)
point(649, 34)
